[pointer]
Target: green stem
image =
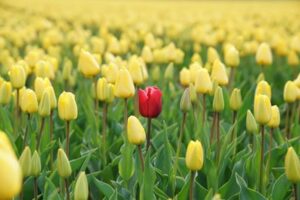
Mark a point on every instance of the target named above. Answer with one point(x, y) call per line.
point(104, 121)
point(179, 142)
point(40, 133)
point(212, 128)
point(261, 158)
point(51, 125)
point(26, 131)
point(270, 151)
point(68, 138)
point(125, 117)
point(295, 191)
point(148, 133)
point(203, 109)
point(141, 157)
point(191, 193)
point(287, 122)
point(218, 138)
point(35, 188)
point(67, 189)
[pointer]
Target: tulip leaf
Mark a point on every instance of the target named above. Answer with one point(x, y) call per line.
point(281, 188)
point(126, 163)
point(105, 188)
point(147, 187)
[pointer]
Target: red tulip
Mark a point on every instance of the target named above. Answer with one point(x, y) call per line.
point(150, 102)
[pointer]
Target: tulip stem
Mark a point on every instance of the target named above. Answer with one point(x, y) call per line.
point(203, 109)
point(68, 138)
point(287, 121)
point(192, 184)
point(125, 117)
point(233, 121)
point(231, 78)
point(148, 133)
point(40, 133)
point(212, 128)
point(67, 189)
point(104, 121)
point(270, 150)
point(295, 191)
point(51, 125)
point(261, 158)
point(141, 157)
point(35, 188)
point(218, 137)
point(26, 131)
point(96, 100)
point(17, 121)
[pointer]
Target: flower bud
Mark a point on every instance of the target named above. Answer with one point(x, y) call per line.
point(297, 81)
point(264, 88)
point(275, 119)
point(102, 89)
point(292, 165)
point(155, 73)
point(67, 70)
point(67, 107)
point(40, 84)
point(212, 55)
point(53, 100)
point(262, 109)
point(185, 102)
point(293, 59)
point(194, 67)
point(290, 92)
point(35, 164)
point(81, 191)
point(28, 102)
point(110, 93)
point(194, 156)
point(147, 54)
point(235, 99)
point(135, 70)
point(124, 87)
point(5, 93)
point(218, 102)
point(184, 77)
point(193, 93)
point(219, 74)
point(232, 58)
point(87, 64)
point(5, 144)
point(251, 124)
point(264, 55)
point(169, 72)
point(25, 162)
point(63, 164)
point(45, 106)
point(203, 82)
point(17, 76)
point(135, 130)
point(44, 69)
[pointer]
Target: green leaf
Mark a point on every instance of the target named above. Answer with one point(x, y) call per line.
point(281, 188)
point(126, 164)
point(105, 188)
point(147, 187)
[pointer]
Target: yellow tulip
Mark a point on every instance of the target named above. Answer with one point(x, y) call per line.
point(102, 89)
point(28, 102)
point(264, 55)
point(135, 70)
point(53, 100)
point(17, 76)
point(169, 72)
point(251, 124)
point(235, 99)
point(67, 107)
point(290, 92)
point(219, 74)
point(87, 64)
point(40, 84)
point(292, 165)
point(81, 190)
point(264, 88)
point(293, 59)
point(193, 93)
point(110, 72)
point(275, 119)
point(185, 102)
point(232, 57)
point(155, 73)
point(44, 69)
point(110, 93)
point(147, 54)
point(67, 70)
point(212, 55)
point(203, 81)
point(262, 109)
point(25, 162)
point(194, 156)
point(124, 87)
point(194, 67)
point(5, 144)
point(45, 106)
point(5, 93)
point(135, 131)
point(297, 81)
point(184, 77)
point(63, 165)
point(36, 164)
point(218, 102)
point(196, 58)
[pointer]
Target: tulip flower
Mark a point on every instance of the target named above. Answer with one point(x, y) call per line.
point(81, 190)
point(292, 168)
point(124, 87)
point(219, 74)
point(169, 72)
point(40, 84)
point(25, 162)
point(44, 69)
point(150, 106)
point(147, 54)
point(67, 111)
point(293, 59)
point(87, 64)
point(235, 104)
point(184, 77)
point(29, 103)
point(155, 73)
point(5, 93)
point(212, 55)
point(17, 76)
point(232, 59)
point(251, 124)
point(136, 71)
point(194, 161)
point(35, 170)
point(264, 55)
point(64, 169)
point(263, 87)
point(194, 68)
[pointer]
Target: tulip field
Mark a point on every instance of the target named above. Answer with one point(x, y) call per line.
point(125, 100)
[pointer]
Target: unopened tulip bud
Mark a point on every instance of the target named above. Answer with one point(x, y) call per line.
point(292, 165)
point(235, 99)
point(275, 119)
point(67, 70)
point(5, 93)
point(144, 71)
point(194, 156)
point(218, 102)
point(81, 191)
point(53, 100)
point(147, 54)
point(155, 73)
point(203, 81)
point(44, 69)
point(193, 93)
point(169, 72)
point(25, 162)
point(232, 57)
point(63, 164)
point(28, 102)
point(290, 92)
point(251, 124)
point(262, 109)
point(67, 107)
point(212, 55)
point(110, 93)
point(264, 88)
point(102, 89)
point(17, 76)
point(40, 84)
point(264, 55)
point(35, 164)
point(45, 106)
point(135, 130)
point(297, 81)
point(135, 70)
point(124, 87)
point(184, 77)
point(185, 102)
point(194, 68)
point(219, 73)
point(87, 64)
point(293, 59)
point(5, 144)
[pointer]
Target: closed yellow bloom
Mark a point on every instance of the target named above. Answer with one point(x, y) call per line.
point(81, 190)
point(297, 81)
point(292, 165)
point(147, 54)
point(232, 57)
point(102, 89)
point(219, 74)
point(45, 106)
point(124, 87)
point(264, 88)
point(87, 64)
point(251, 124)
point(25, 162)
point(196, 58)
point(218, 102)
point(262, 109)
point(53, 100)
point(135, 70)
point(44, 69)
point(67, 70)
point(144, 70)
point(193, 93)
point(5, 144)
point(235, 99)
point(203, 83)
point(290, 92)
point(275, 119)
point(184, 77)
point(293, 59)
point(63, 165)
point(155, 73)
point(17, 76)
point(194, 67)
point(40, 84)
point(135, 131)
point(212, 55)
point(110, 93)
point(264, 55)
point(194, 156)
point(5, 93)
point(169, 72)
point(67, 107)
point(110, 72)
point(36, 166)
point(29, 102)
